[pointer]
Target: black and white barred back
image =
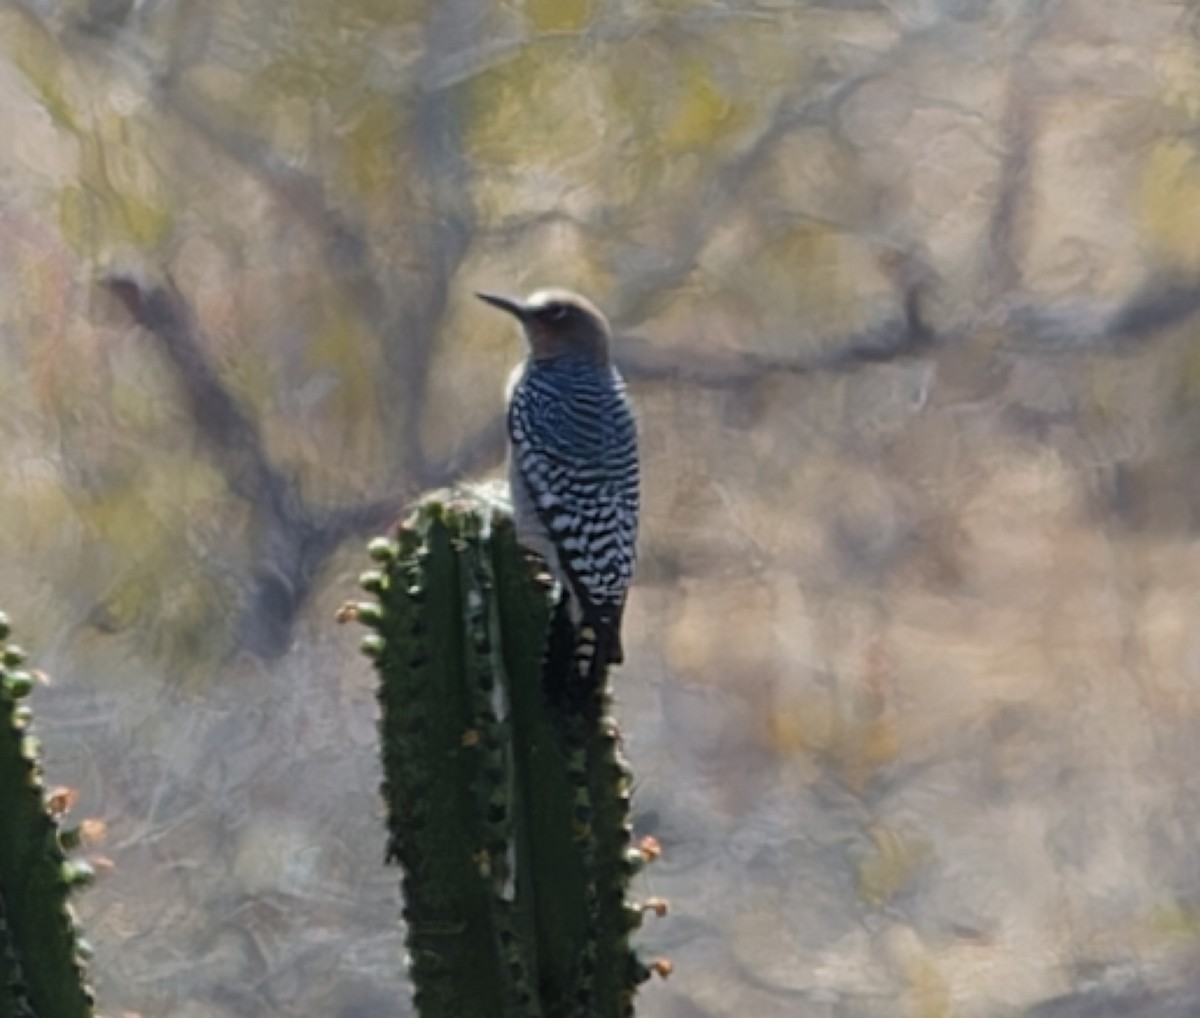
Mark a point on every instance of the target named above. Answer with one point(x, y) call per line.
point(575, 482)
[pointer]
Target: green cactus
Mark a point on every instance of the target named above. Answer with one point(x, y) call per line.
point(42, 973)
point(507, 797)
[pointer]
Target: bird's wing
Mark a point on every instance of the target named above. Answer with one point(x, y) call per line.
point(577, 457)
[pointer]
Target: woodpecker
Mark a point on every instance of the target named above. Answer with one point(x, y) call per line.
point(573, 463)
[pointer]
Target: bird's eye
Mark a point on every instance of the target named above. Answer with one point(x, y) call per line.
point(556, 312)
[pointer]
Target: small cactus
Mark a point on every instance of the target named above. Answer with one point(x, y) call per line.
point(507, 796)
point(42, 971)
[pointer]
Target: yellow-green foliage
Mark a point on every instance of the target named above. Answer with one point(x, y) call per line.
point(1169, 202)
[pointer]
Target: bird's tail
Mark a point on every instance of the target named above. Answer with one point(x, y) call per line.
point(598, 645)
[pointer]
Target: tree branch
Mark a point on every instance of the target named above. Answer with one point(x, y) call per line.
point(293, 541)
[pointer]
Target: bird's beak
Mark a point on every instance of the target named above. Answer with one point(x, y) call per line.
point(514, 308)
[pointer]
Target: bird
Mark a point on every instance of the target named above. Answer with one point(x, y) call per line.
point(573, 464)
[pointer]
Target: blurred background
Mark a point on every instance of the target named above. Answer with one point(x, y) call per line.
point(908, 297)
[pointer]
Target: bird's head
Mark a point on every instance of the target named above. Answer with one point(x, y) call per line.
point(558, 322)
